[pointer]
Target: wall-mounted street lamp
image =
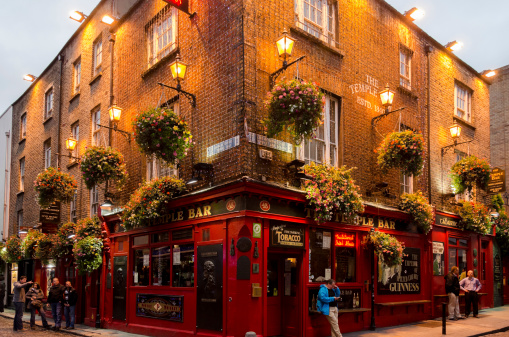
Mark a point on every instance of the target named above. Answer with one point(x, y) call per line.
point(107, 205)
point(284, 49)
point(108, 19)
point(78, 16)
point(488, 73)
point(29, 77)
point(414, 14)
point(178, 72)
point(454, 45)
point(70, 145)
point(386, 97)
point(115, 113)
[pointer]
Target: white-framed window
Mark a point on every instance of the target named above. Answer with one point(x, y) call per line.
point(94, 200)
point(406, 183)
point(405, 64)
point(96, 129)
point(77, 76)
point(75, 132)
point(48, 104)
point(22, 174)
point(462, 102)
point(157, 168)
point(323, 148)
point(98, 55)
point(47, 153)
point(465, 196)
point(161, 34)
point(74, 202)
point(317, 17)
point(23, 126)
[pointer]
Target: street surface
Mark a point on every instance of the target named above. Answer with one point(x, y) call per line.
point(6, 330)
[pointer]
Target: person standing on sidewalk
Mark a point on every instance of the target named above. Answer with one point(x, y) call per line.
point(70, 300)
point(471, 286)
point(452, 288)
point(327, 304)
point(55, 298)
point(2, 293)
point(35, 295)
point(19, 302)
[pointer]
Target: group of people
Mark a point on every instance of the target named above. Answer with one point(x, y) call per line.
point(470, 285)
point(59, 296)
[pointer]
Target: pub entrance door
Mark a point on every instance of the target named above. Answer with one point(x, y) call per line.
point(284, 294)
point(119, 287)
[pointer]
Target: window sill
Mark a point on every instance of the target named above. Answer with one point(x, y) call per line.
point(317, 41)
point(76, 95)
point(407, 91)
point(20, 193)
point(96, 78)
point(464, 122)
point(72, 164)
point(47, 120)
point(159, 63)
point(22, 140)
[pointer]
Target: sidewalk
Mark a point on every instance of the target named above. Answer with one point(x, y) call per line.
point(489, 320)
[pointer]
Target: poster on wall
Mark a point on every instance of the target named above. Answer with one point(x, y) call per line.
point(404, 279)
point(287, 235)
point(209, 299)
point(438, 258)
point(165, 307)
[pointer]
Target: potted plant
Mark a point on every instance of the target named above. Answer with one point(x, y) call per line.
point(100, 164)
point(149, 200)
point(53, 185)
point(296, 106)
point(475, 217)
point(468, 172)
point(88, 254)
point(63, 240)
point(416, 204)
point(162, 133)
point(388, 249)
point(403, 150)
point(332, 190)
point(30, 242)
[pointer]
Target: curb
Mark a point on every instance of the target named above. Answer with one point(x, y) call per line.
point(75, 333)
point(491, 332)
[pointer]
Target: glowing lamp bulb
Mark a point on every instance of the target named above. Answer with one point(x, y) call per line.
point(77, 16)
point(70, 143)
point(115, 113)
point(107, 19)
point(455, 130)
point(285, 45)
point(387, 96)
point(178, 69)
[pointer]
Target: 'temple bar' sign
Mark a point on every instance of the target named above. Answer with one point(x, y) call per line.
point(496, 184)
point(182, 5)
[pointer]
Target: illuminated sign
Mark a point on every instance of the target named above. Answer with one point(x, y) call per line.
point(182, 5)
point(344, 240)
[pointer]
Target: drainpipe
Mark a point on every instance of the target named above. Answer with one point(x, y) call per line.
point(61, 59)
point(428, 49)
point(7, 184)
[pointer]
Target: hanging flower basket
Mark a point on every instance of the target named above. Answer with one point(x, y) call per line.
point(468, 172)
point(88, 227)
point(502, 223)
point(88, 254)
point(332, 190)
point(44, 248)
point(475, 217)
point(30, 242)
point(149, 200)
point(100, 164)
point(388, 249)
point(53, 185)
point(422, 212)
point(62, 242)
point(296, 106)
point(12, 251)
point(403, 150)
point(162, 133)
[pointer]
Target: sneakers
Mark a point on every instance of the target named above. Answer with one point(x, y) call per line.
point(453, 319)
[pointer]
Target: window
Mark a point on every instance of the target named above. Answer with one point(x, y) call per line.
point(48, 105)
point(458, 255)
point(75, 132)
point(320, 260)
point(23, 126)
point(465, 196)
point(74, 202)
point(97, 56)
point(317, 17)
point(47, 153)
point(94, 200)
point(159, 262)
point(462, 103)
point(20, 219)
point(407, 183)
point(405, 69)
point(22, 174)
point(77, 76)
point(96, 128)
point(161, 34)
point(157, 168)
point(345, 257)
point(324, 147)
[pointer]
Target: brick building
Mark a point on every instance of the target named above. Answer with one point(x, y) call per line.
point(352, 50)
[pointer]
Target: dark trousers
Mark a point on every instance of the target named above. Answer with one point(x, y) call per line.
point(69, 315)
point(56, 311)
point(18, 316)
point(43, 316)
point(471, 298)
point(2, 303)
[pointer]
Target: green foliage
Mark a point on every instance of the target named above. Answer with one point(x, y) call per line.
point(502, 232)
point(404, 150)
point(332, 190)
point(497, 202)
point(468, 172)
point(475, 217)
point(88, 254)
point(30, 242)
point(388, 249)
point(297, 106)
point(100, 164)
point(12, 251)
point(44, 248)
point(422, 212)
point(62, 244)
point(53, 185)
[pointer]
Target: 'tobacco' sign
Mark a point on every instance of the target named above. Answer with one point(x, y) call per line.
point(182, 5)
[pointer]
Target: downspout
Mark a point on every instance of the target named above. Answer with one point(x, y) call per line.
point(428, 51)
point(61, 59)
point(7, 183)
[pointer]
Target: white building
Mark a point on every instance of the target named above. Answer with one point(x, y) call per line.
point(5, 170)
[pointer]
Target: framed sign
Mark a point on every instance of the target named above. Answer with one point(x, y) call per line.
point(438, 258)
point(50, 215)
point(170, 308)
point(209, 300)
point(404, 279)
point(496, 183)
point(286, 235)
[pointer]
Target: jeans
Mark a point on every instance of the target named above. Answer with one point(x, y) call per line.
point(18, 316)
point(69, 315)
point(471, 298)
point(56, 311)
point(43, 316)
point(454, 306)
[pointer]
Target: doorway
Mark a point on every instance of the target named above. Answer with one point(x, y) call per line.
point(283, 294)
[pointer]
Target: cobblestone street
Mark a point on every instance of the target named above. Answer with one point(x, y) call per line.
point(6, 330)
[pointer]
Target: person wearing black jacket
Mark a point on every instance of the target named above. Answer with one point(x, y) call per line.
point(452, 288)
point(55, 298)
point(70, 300)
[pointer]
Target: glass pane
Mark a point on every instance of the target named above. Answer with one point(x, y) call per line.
point(463, 242)
point(141, 270)
point(345, 264)
point(319, 255)
point(462, 263)
point(160, 237)
point(161, 259)
point(140, 240)
point(183, 265)
point(452, 257)
point(452, 241)
point(272, 278)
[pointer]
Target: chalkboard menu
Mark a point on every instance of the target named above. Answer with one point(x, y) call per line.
point(404, 279)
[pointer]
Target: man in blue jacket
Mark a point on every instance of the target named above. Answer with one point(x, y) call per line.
point(327, 304)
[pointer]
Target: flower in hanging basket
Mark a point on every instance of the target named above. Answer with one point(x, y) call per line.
point(475, 217)
point(297, 106)
point(88, 227)
point(100, 164)
point(404, 150)
point(422, 212)
point(88, 254)
point(12, 251)
point(63, 240)
point(149, 200)
point(53, 185)
point(332, 190)
point(388, 249)
point(468, 172)
point(161, 132)
point(30, 242)
point(44, 248)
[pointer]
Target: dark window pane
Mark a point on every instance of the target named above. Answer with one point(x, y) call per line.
point(462, 263)
point(182, 234)
point(183, 265)
point(452, 241)
point(161, 260)
point(452, 258)
point(140, 240)
point(160, 237)
point(319, 255)
point(345, 264)
point(463, 242)
point(272, 278)
point(141, 267)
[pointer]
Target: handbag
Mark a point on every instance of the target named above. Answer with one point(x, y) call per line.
point(36, 304)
